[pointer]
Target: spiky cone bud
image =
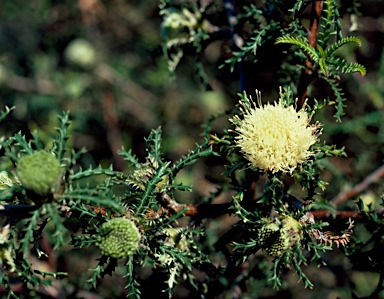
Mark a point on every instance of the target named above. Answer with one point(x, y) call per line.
point(119, 238)
point(276, 239)
point(274, 137)
point(39, 172)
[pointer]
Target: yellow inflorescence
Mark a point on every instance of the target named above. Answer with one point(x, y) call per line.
point(274, 137)
point(119, 238)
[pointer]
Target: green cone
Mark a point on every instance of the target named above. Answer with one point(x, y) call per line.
point(275, 239)
point(39, 171)
point(119, 238)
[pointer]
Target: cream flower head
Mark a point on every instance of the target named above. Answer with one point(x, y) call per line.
point(274, 137)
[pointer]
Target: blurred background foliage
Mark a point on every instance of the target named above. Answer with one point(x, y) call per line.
point(103, 61)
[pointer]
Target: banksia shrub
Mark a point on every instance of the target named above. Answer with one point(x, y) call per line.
point(258, 209)
point(119, 238)
point(39, 171)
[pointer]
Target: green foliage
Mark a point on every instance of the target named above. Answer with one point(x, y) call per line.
point(5, 112)
point(184, 27)
point(139, 199)
point(325, 58)
point(150, 222)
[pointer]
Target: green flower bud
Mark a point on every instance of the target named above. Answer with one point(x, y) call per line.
point(82, 53)
point(119, 238)
point(276, 239)
point(39, 172)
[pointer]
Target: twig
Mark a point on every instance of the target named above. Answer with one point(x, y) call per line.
point(41, 86)
point(199, 211)
point(136, 102)
point(321, 214)
point(113, 132)
point(232, 20)
point(19, 211)
point(359, 188)
point(306, 74)
point(237, 40)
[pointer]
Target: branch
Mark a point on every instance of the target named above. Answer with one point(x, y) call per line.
point(359, 188)
point(19, 211)
point(199, 211)
point(321, 214)
point(306, 75)
point(237, 40)
point(232, 20)
point(113, 132)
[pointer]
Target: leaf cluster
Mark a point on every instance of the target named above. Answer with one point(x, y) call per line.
point(94, 196)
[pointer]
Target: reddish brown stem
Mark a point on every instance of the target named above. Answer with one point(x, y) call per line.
point(321, 214)
point(215, 210)
point(200, 211)
point(306, 75)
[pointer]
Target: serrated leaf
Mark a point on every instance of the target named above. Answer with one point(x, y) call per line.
point(301, 43)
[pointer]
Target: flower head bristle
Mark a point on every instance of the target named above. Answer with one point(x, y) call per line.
point(274, 137)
